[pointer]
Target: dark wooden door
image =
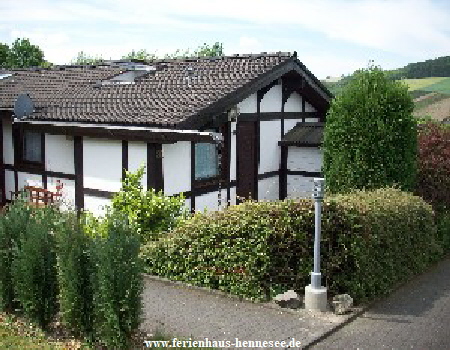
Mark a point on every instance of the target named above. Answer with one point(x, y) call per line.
point(246, 175)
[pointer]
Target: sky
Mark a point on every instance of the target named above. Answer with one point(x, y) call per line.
point(331, 37)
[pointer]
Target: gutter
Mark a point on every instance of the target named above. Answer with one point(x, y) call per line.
point(133, 133)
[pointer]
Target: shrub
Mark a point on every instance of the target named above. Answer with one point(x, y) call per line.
point(117, 283)
point(433, 181)
point(74, 275)
point(371, 240)
point(370, 136)
point(13, 223)
point(34, 267)
point(150, 212)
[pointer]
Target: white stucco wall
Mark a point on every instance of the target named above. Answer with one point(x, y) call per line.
point(8, 147)
point(232, 199)
point(59, 154)
point(305, 159)
point(68, 191)
point(102, 164)
point(137, 155)
point(290, 123)
point(293, 103)
point(268, 189)
point(96, 205)
point(299, 186)
point(309, 108)
point(26, 179)
point(248, 105)
point(9, 183)
point(270, 134)
point(177, 167)
point(271, 101)
point(209, 201)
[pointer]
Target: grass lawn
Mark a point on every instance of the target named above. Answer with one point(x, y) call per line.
point(422, 84)
point(16, 333)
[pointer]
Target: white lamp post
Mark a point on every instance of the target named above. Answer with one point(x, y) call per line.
point(315, 294)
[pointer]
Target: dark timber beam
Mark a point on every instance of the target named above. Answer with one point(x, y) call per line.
point(124, 158)
point(155, 178)
point(79, 180)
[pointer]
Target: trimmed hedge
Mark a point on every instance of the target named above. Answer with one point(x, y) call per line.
point(370, 242)
point(370, 138)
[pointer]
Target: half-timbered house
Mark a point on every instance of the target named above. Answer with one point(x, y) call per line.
point(84, 125)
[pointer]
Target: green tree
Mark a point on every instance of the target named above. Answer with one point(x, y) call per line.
point(370, 138)
point(209, 51)
point(23, 54)
point(204, 50)
point(85, 59)
point(4, 53)
point(142, 55)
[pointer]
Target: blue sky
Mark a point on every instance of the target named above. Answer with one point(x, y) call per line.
point(332, 37)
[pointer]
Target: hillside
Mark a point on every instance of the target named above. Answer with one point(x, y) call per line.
point(428, 83)
point(431, 96)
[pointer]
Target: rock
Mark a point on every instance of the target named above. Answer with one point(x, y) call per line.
point(342, 303)
point(289, 300)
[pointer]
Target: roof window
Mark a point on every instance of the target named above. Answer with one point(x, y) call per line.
point(5, 75)
point(133, 72)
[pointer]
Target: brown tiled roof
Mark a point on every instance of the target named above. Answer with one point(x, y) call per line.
point(176, 91)
point(304, 134)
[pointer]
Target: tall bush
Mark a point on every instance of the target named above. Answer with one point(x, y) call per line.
point(370, 138)
point(150, 212)
point(34, 267)
point(117, 283)
point(75, 268)
point(433, 181)
point(13, 224)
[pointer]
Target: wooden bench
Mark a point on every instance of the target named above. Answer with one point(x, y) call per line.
point(37, 196)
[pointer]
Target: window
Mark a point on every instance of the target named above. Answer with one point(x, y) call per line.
point(206, 161)
point(32, 147)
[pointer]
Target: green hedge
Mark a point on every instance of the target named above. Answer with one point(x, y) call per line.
point(87, 269)
point(370, 242)
point(34, 273)
point(117, 283)
point(13, 224)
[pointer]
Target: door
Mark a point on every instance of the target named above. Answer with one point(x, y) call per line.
point(246, 175)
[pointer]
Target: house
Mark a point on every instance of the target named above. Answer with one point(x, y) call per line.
point(83, 125)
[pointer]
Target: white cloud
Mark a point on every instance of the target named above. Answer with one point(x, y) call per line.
point(412, 28)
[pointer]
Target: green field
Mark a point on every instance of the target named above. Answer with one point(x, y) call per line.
point(422, 84)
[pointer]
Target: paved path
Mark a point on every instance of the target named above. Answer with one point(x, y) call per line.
point(417, 316)
point(190, 312)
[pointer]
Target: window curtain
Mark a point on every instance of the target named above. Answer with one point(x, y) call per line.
point(206, 161)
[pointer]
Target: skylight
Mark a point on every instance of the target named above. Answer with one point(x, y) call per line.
point(133, 72)
point(5, 75)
